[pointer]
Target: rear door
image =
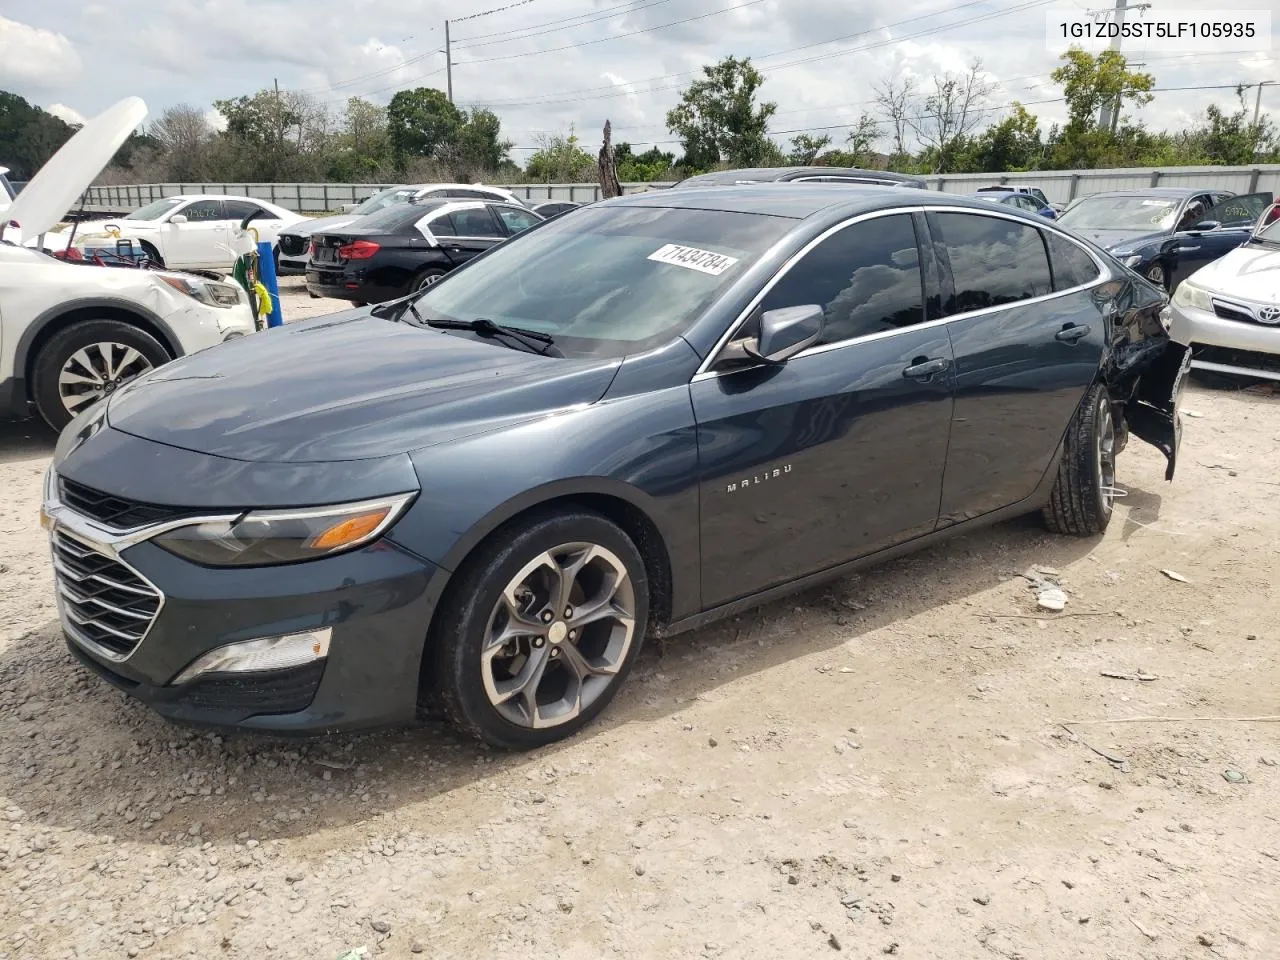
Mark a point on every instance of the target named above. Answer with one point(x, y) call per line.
point(514, 219)
point(1237, 216)
point(202, 241)
point(475, 230)
point(1026, 349)
point(839, 452)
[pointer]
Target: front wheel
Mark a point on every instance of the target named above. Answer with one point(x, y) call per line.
point(1083, 496)
point(87, 362)
point(541, 629)
point(1156, 274)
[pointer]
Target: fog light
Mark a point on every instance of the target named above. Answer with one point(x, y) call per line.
point(267, 653)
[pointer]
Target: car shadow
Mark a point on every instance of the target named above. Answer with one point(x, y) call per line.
point(1143, 509)
point(75, 753)
point(25, 440)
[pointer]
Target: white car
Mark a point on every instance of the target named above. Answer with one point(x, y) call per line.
point(295, 240)
point(188, 232)
point(7, 192)
point(72, 333)
point(1228, 311)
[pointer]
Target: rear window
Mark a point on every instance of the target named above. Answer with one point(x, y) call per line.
point(394, 217)
point(994, 261)
point(1072, 267)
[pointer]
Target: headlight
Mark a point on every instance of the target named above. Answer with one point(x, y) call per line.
point(1189, 295)
point(210, 292)
point(266, 537)
point(1131, 260)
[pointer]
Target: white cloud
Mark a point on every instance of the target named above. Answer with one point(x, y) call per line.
point(69, 114)
point(36, 59)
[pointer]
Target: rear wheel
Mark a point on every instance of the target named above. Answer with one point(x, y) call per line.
point(89, 361)
point(426, 278)
point(542, 627)
point(1156, 274)
point(1083, 496)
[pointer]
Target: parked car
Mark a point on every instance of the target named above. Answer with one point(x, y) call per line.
point(1166, 233)
point(1034, 192)
point(1228, 312)
point(295, 241)
point(661, 410)
point(7, 193)
point(408, 246)
point(186, 232)
point(73, 334)
point(1017, 200)
point(553, 208)
point(802, 175)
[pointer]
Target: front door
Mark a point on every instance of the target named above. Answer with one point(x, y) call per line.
point(838, 452)
point(1027, 342)
point(200, 241)
point(1195, 248)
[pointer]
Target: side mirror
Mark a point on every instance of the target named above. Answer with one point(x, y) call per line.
point(178, 218)
point(1204, 226)
point(786, 332)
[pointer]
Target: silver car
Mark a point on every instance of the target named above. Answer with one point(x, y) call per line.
point(1228, 312)
point(295, 242)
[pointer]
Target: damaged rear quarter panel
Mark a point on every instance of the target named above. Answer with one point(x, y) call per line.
point(1144, 370)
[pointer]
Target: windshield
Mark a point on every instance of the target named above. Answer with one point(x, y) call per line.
point(1270, 233)
point(608, 282)
point(386, 198)
point(155, 210)
point(1122, 213)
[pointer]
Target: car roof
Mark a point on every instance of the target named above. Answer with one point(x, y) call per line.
point(770, 174)
point(798, 201)
point(1170, 193)
point(455, 186)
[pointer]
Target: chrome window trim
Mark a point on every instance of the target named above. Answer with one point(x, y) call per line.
point(704, 371)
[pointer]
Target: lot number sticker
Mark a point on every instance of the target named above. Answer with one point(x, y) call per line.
point(704, 261)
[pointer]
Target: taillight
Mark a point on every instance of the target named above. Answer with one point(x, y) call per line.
point(359, 250)
point(312, 249)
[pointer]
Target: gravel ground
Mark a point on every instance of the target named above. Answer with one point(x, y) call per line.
point(876, 768)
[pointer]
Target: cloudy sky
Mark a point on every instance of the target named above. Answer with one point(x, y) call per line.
point(546, 64)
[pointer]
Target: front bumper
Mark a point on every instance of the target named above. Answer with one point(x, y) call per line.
point(1242, 347)
point(377, 601)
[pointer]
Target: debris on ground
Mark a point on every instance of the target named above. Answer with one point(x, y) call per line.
point(1136, 675)
point(1175, 575)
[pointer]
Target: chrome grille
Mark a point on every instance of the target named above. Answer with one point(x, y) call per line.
point(119, 513)
point(102, 600)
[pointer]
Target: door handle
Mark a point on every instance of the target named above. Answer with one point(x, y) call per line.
point(923, 368)
point(1187, 247)
point(1072, 334)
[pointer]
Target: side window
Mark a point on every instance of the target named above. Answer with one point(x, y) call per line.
point(1072, 267)
point(1030, 204)
point(203, 211)
point(434, 194)
point(994, 261)
point(1194, 212)
point(441, 226)
point(461, 193)
point(866, 278)
point(516, 220)
point(475, 223)
point(237, 210)
point(1236, 211)
point(1041, 198)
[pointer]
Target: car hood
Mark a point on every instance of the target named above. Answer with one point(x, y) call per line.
point(59, 183)
point(308, 226)
point(348, 387)
point(1111, 240)
point(1251, 273)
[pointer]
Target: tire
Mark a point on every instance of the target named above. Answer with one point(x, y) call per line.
point(108, 347)
point(1157, 274)
point(568, 692)
point(152, 253)
point(426, 278)
point(1081, 503)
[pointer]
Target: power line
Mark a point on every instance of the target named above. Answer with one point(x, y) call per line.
point(564, 22)
point(485, 13)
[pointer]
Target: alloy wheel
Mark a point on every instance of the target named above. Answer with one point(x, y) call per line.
point(96, 371)
point(558, 635)
point(1105, 455)
point(1156, 275)
point(428, 280)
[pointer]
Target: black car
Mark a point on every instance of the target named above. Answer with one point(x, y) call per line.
point(845, 175)
point(408, 246)
point(1166, 233)
point(553, 208)
point(657, 411)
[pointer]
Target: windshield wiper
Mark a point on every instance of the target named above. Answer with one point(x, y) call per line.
point(531, 340)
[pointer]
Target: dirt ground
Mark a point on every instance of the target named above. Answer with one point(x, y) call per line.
point(878, 768)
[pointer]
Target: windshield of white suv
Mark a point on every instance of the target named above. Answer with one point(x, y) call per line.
point(384, 199)
point(155, 210)
point(607, 282)
point(1122, 213)
point(1270, 233)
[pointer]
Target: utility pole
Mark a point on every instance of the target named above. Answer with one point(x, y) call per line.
point(448, 62)
point(1257, 102)
point(1109, 114)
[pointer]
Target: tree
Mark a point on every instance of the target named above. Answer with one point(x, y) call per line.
point(719, 121)
point(860, 143)
point(645, 167)
point(265, 133)
point(421, 121)
point(561, 160)
point(1088, 82)
point(1232, 139)
point(480, 145)
point(607, 165)
point(893, 100)
point(805, 149)
point(29, 136)
point(949, 114)
point(1012, 144)
point(184, 135)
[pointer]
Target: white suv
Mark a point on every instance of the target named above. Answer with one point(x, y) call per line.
point(295, 239)
point(72, 333)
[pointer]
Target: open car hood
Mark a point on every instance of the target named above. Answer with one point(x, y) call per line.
point(59, 183)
